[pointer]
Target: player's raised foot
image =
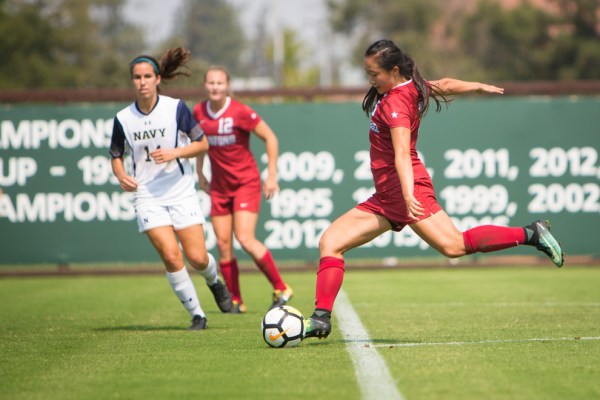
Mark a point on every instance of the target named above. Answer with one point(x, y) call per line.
point(198, 323)
point(281, 297)
point(318, 325)
point(222, 296)
point(238, 308)
point(538, 235)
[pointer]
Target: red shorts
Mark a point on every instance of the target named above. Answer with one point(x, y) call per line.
point(394, 209)
point(245, 198)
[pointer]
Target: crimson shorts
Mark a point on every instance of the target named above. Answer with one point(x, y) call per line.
point(393, 208)
point(245, 198)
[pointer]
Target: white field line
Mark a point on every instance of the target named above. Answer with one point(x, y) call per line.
point(417, 344)
point(461, 304)
point(372, 374)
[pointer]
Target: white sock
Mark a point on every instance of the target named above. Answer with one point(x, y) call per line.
point(184, 289)
point(210, 272)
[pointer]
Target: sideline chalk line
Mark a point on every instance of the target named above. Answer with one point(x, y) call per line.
point(416, 344)
point(372, 373)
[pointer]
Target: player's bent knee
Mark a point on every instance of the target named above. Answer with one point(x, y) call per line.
point(198, 261)
point(223, 244)
point(328, 245)
point(171, 257)
point(452, 251)
point(247, 242)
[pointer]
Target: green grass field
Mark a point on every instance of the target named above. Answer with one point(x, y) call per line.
point(443, 334)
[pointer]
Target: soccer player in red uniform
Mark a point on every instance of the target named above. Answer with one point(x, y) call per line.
point(397, 100)
point(235, 186)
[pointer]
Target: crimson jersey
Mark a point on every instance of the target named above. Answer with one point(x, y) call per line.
point(397, 108)
point(228, 133)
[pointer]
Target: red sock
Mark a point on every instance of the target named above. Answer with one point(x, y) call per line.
point(267, 266)
point(231, 274)
point(488, 238)
point(329, 281)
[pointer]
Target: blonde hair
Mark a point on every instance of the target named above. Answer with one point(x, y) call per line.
point(218, 68)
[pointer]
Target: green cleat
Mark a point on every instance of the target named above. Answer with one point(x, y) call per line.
point(539, 236)
point(319, 327)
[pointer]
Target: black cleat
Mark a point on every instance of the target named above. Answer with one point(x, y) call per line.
point(198, 323)
point(538, 235)
point(319, 327)
point(222, 296)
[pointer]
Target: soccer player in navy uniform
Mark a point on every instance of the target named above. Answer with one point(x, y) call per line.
point(235, 186)
point(397, 100)
point(161, 135)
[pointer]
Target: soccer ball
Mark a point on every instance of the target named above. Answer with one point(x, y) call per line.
point(283, 326)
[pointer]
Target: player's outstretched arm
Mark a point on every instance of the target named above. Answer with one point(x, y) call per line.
point(450, 86)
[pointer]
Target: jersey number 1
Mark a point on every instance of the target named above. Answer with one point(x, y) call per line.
point(148, 159)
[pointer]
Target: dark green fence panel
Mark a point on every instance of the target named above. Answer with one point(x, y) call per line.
point(493, 160)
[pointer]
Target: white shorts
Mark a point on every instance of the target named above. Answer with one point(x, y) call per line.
point(179, 216)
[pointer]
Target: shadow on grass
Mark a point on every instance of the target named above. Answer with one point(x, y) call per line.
point(365, 342)
point(145, 328)
point(385, 341)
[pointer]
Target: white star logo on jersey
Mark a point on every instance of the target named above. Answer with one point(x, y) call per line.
point(394, 114)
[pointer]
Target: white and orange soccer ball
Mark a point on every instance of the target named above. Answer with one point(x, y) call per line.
point(283, 327)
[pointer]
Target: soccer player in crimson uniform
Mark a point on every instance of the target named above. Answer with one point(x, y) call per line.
point(160, 135)
point(235, 186)
point(396, 102)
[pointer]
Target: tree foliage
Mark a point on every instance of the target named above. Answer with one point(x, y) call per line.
point(294, 52)
point(406, 22)
point(577, 50)
point(64, 43)
point(508, 45)
point(530, 43)
point(211, 31)
point(486, 41)
point(88, 44)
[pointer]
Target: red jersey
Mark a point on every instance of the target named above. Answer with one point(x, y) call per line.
point(397, 108)
point(228, 133)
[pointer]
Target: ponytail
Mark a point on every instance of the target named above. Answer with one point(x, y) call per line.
point(168, 65)
point(172, 60)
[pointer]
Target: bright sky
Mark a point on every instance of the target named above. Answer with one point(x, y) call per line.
point(158, 18)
